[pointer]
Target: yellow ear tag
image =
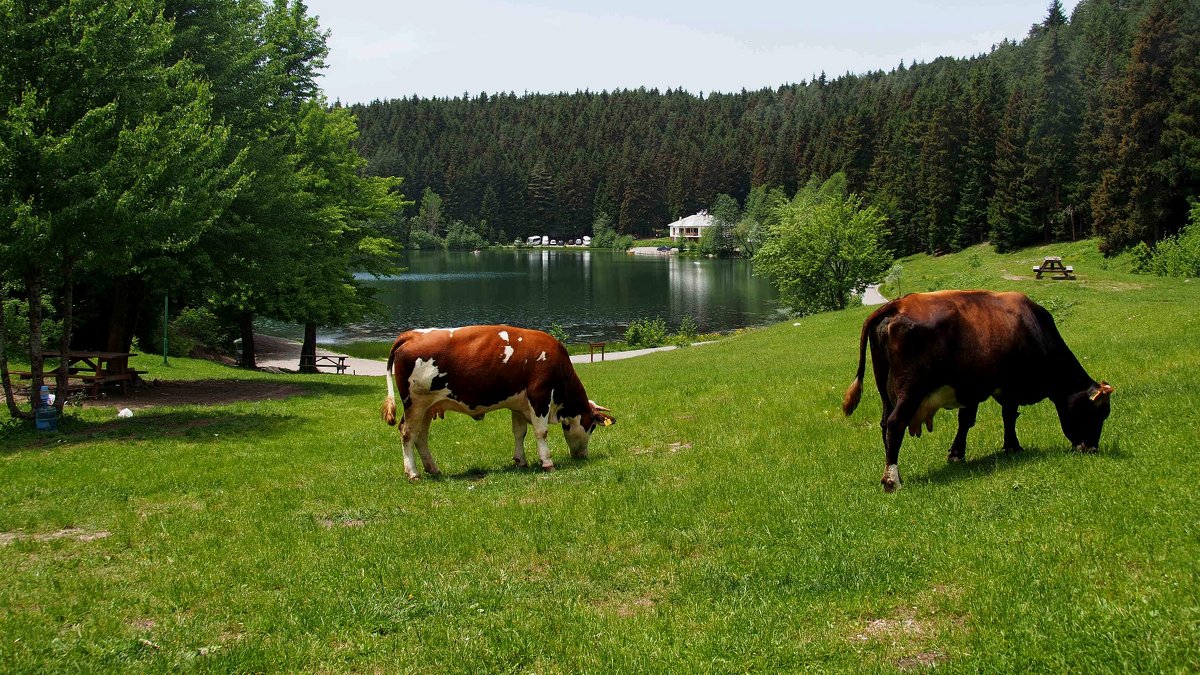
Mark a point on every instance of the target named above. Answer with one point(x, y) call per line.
point(608, 421)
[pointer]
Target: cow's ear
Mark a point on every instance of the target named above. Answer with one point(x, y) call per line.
point(606, 419)
point(1100, 393)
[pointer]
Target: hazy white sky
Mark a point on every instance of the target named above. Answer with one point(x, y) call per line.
point(387, 49)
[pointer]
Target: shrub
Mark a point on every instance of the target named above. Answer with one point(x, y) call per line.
point(646, 333)
point(195, 326)
point(1177, 256)
point(462, 237)
point(688, 331)
point(422, 240)
point(559, 333)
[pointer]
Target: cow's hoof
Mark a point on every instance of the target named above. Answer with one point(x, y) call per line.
point(412, 478)
point(548, 467)
point(889, 485)
point(1014, 449)
point(521, 463)
point(953, 458)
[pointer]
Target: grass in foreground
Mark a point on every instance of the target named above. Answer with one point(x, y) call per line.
point(732, 520)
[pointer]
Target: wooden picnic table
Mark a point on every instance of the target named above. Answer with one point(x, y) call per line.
point(337, 362)
point(94, 369)
point(1053, 265)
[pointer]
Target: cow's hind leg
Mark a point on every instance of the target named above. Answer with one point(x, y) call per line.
point(541, 431)
point(422, 442)
point(1010, 412)
point(966, 420)
point(896, 424)
point(408, 432)
point(520, 425)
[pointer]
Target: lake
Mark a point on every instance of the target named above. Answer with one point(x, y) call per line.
point(593, 294)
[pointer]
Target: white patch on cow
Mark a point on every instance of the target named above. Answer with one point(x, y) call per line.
point(430, 330)
point(542, 357)
point(423, 374)
point(520, 339)
point(508, 352)
point(504, 335)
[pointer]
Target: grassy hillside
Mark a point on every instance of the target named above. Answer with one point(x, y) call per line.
point(732, 520)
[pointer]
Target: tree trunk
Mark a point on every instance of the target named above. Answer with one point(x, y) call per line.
point(13, 409)
point(246, 324)
point(64, 343)
point(33, 288)
point(117, 318)
point(308, 350)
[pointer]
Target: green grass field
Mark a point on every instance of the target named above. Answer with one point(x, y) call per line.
point(731, 521)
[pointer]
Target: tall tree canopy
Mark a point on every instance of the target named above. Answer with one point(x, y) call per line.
point(178, 148)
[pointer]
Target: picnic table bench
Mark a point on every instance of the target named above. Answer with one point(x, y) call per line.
point(592, 346)
point(338, 362)
point(1053, 265)
point(93, 370)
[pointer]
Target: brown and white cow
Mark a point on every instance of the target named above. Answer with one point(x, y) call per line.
point(954, 349)
point(477, 369)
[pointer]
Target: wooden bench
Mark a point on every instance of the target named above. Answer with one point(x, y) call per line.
point(592, 346)
point(89, 382)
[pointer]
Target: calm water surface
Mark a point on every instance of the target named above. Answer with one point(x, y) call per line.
point(593, 294)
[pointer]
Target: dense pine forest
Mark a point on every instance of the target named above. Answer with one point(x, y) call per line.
point(1088, 126)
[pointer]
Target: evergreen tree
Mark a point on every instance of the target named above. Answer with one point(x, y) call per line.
point(1011, 211)
point(1152, 130)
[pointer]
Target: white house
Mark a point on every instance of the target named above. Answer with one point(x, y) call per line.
point(691, 227)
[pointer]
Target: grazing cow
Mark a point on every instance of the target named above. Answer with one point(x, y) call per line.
point(477, 369)
point(954, 349)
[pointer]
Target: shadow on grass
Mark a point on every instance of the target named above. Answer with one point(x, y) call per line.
point(984, 465)
point(476, 473)
point(190, 425)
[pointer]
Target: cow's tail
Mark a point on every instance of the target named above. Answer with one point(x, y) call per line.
point(854, 393)
point(389, 403)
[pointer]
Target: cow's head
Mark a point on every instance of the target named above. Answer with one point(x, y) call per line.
point(1084, 415)
point(578, 430)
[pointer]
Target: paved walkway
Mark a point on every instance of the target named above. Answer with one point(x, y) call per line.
point(275, 352)
point(871, 296)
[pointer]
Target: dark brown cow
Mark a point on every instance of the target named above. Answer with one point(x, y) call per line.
point(477, 369)
point(954, 349)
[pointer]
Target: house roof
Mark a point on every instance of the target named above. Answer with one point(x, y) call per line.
point(700, 220)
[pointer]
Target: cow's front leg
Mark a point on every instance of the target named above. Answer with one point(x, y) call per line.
point(422, 442)
point(966, 420)
point(519, 426)
point(1010, 412)
point(541, 432)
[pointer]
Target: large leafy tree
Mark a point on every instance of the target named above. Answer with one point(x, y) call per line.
point(824, 248)
point(110, 158)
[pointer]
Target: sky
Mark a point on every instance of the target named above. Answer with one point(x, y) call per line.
point(384, 49)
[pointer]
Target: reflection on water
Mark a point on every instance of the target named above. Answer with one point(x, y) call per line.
point(593, 294)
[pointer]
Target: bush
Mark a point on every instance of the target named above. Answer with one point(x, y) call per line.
point(422, 240)
point(646, 333)
point(688, 332)
point(192, 328)
point(461, 237)
point(16, 328)
point(559, 333)
point(1177, 256)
